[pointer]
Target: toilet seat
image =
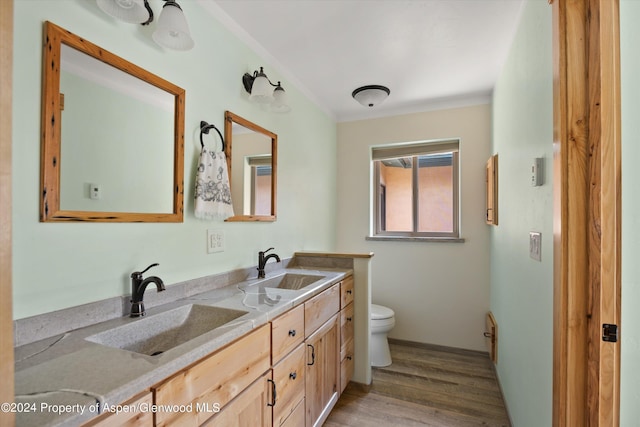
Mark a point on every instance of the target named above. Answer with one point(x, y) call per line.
point(379, 312)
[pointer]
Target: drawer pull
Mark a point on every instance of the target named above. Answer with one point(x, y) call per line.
point(349, 357)
point(292, 332)
point(273, 392)
point(349, 319)
point(349, 291)
point(293, 375)
point(313, 355)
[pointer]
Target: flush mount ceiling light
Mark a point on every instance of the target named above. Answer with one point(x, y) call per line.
point(259, 88)
point(371, 95)
point(172, 31)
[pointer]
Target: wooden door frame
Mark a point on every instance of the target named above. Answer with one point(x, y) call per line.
point(587, 211)
point(6, 316)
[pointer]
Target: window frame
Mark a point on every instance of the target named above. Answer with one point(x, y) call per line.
point(414, 150)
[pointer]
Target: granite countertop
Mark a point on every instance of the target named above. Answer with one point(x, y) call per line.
point(64, 380)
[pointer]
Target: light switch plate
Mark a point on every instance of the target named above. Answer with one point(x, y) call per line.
point(535, 245)
point(215, 241)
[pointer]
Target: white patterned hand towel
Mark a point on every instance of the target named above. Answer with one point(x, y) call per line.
point(213, 195)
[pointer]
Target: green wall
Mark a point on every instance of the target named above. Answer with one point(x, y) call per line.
point(630, 328)
point(522, 288)
point(58, 265)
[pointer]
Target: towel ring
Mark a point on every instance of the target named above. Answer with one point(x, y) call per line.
point(205, 128)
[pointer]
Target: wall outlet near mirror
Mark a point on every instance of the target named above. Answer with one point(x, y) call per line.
point(215, 241)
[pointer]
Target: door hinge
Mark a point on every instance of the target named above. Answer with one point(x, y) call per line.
point(609, 332)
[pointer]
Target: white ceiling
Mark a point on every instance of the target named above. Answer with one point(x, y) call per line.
point(430, 53)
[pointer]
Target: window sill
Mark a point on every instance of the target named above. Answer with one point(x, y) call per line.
point(416, 239)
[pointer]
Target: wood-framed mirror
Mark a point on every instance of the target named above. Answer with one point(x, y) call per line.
point(252, 159)
point(112, 147)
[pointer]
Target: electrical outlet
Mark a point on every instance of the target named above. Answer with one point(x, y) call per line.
point(95, 191)
point(535, 244)
point(215, 241)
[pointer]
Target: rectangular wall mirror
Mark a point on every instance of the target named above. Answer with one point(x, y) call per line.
point(252, 161)
point(112, 137)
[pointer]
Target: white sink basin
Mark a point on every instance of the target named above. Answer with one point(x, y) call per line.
point(155, 334)
point(291, 281)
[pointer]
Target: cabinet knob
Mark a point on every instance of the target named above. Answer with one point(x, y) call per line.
point(349, 319)
point(349, 291)
point(349, 357)
point(292, 332)
point(293, 375)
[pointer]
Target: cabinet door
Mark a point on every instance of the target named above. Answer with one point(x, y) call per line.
point(323, 370)
point(289, 376)
point(250, 409)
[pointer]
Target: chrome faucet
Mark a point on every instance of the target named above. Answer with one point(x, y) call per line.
point(138, 286)
point(262, 261)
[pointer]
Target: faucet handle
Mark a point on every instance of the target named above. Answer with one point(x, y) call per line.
point(270, 249)
point(140, 273)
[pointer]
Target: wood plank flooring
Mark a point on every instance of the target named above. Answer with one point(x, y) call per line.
point(425, 386)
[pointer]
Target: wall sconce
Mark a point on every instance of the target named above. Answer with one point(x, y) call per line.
point(259, 87)
point(371, 95)
point(172, 31)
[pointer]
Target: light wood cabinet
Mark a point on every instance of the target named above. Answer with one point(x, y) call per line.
point(288, 373)
point(321, 387)
point(250, 409)
point(289, 378)
point(287, 332)
point(322, 328)
point(320, 308)
point(216, 379)
point(142, 417)
point(296, 419)
point(346, 346)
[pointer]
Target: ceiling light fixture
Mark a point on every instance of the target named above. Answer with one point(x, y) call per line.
point(172, 30)
point(371, 95)
point(258, 86)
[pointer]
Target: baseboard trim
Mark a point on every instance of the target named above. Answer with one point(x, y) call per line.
point(427, 346)
point(506, 407)
point(365, 388)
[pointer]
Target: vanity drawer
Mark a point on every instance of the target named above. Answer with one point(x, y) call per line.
point(346, 366)
point(346, 325)
point(289, 376)
point(346, 292)
point(297, 417)
point(287, 331)
point(217, 378)
point(136, 418)
point(320, 308)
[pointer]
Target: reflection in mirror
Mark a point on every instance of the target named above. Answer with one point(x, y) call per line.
point(252, 158)
point(105, 110)
point(114, 130)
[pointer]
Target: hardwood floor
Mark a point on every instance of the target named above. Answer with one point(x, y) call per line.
point(425, 386)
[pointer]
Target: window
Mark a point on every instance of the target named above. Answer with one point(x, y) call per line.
point(416, 190)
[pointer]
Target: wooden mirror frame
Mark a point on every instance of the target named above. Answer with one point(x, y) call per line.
point(229, 120)
point(51, 143)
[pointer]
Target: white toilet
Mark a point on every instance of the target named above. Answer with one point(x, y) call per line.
point(382, 321)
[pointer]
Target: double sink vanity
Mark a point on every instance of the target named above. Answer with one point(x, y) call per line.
point(230, 349)
point(274, 351)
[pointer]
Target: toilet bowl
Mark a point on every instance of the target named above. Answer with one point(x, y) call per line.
point(382, 321)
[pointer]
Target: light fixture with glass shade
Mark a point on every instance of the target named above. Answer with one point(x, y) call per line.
point(260, 90)
point(172, 30)
point(371, 95)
